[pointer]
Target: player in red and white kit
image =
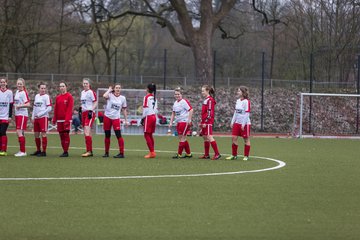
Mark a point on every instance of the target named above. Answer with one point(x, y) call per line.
point(6, 103)
point(40, 118)
point(114, 105)
point(182, 112)
point(241, 124)
point(88, 105)
point(63, 108)
point(207, 121)
point(149, 119)
point(21, 103)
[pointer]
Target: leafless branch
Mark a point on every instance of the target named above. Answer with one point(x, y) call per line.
point(226, 35)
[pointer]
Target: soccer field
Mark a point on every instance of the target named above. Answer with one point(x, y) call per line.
point(314, 196)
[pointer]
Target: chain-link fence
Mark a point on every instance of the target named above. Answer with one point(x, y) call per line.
point(168, 68)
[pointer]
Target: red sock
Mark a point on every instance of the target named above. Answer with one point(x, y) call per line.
point(215, 147)
point(187, 147)
point(121, 145)
point(152, 142)
point(62, 140)
point(181, 147)
point(88, 142)
point(4, 140)
point(66, 141)
point(246, 150)
point(149, 141)
point(207, 148)
point(234, 149)
point(1, 143)
point(44, 143)
point(107, 144)
point(38, 144)
point(22, 143)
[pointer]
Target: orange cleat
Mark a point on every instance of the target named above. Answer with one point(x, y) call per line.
point(150, 155)
point(216, 157)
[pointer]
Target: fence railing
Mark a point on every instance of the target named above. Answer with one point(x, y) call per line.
point(173, 81)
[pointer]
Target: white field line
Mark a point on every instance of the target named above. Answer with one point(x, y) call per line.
point(280, 163)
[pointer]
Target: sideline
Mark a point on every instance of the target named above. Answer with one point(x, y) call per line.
point(280, 163)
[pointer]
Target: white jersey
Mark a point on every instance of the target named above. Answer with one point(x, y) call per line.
point(21, 97)
point(114, 105)
point(87, 98)
point(6, 98)
point(41, 106)
point(181, 109)
point(149, 105)
point(242, 112)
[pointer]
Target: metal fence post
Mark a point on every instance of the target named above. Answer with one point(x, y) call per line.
point(165, 63)
point(311, 87)
point(357, 92)
point(262, 90)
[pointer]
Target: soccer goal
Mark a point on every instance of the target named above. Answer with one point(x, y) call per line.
point(327, 115)
point(134, 99)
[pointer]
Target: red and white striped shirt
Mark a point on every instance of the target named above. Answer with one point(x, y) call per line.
point(181, 109)
point(88, 97)
point(242, 112)
point(114, 105)
point(41, 108)
point(149, 105)
point(21, 97)
point(208, 111)
point(6, 98)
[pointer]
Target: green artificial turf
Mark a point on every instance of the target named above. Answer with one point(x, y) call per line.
point(315, 196)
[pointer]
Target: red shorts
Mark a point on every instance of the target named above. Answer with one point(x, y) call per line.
point(237, 131)
point(63, 126)
point(182, 128)
point(85, 121)
point(108, 122)
point(207, 130)
point(4, 121)
point(21, 122)
point(41, 124)
point(150, 124)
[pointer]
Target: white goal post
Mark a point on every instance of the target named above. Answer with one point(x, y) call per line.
point(329, 115)
point(134, 98)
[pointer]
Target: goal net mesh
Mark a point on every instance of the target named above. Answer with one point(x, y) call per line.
point(327, 115)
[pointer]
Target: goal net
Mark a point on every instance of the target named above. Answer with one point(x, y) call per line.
point(134, 99)
point(327, 115)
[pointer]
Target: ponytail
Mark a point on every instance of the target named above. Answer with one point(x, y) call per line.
point(210, 90)
point(245, 92)
point(152, 89)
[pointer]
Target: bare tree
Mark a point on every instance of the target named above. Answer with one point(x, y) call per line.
point(329, 30)
point(198, 21)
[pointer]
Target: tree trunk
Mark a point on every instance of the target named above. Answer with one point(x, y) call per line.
point(203, 56)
